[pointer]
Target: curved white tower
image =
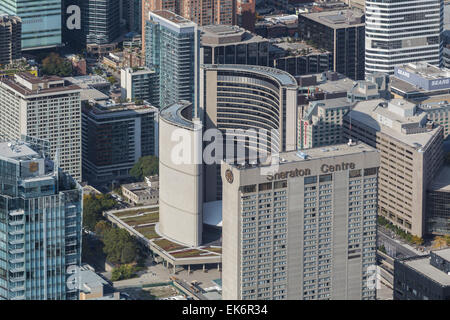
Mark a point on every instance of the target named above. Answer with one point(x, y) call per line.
point(403, 31)
point(180, 175)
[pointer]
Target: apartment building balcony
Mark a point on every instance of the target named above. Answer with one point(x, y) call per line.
point(18, 269)
point(17, 241)
point(16, 222)
point(17, 231)
point(17, 250)
point(17, 279)
point(20, 296)
point(18, 212)
point(19, 288)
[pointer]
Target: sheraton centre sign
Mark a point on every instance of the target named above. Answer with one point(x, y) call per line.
point(324, 168)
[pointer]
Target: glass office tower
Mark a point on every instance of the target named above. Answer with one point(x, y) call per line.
point(41, 21)
point(40, 226)
point(172, 49)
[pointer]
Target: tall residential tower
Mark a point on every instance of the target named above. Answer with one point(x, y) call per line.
point(172, 49)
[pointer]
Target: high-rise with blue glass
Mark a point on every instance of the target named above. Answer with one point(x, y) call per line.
point(41, 21)
point(172, 49)
point(40, 225)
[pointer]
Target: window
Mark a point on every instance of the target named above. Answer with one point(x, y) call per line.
point(370, 171)
point(265, 186)
point(249, 188)
point(310, 180)
point(355, 173)
point(325, 177)
point(280, 184)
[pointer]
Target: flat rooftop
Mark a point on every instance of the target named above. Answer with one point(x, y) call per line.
point(320, 153)
point(284, 78)
point(17, 151)
point(296, 48)
point(218, 34)
point(174, 114)
point(338, 19)
point(441, 181)
point(426, 70)
point(341, 84)
point(423, 266)
point(173, 17)
point(16, 86)
point(366, 111)
point(444, 254)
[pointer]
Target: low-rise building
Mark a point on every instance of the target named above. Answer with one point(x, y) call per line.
point(142, 193)
point(423, 277)
point(94, 287)
point(426, 85)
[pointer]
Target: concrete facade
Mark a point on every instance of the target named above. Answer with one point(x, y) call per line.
point(180, 175)
point(411, 153)
point(46, 108)
point(304, 231)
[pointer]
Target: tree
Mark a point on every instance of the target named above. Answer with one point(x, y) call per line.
point(101, 228)
point(93, 207)
point(98, 71)
point(146, 166)
point(111, 80)
point(120, 247)
point(56, 65)
point(439, 242)
point(123, 272)
point(417, 240)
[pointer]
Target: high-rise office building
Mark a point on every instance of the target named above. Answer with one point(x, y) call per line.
point(45, 108)
point(411, 154)
point(172, 50)
point(40, 226)
point(222, 44)
point(240, 98)
point(322, 123)
point(101, 20)
point(115, 136)
point(181, 216)
point(403, 31)
point(41, 21)
point(304, 231)
point(10, 35)
point(236, 101)
point(339, 32)
point(438, 198)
